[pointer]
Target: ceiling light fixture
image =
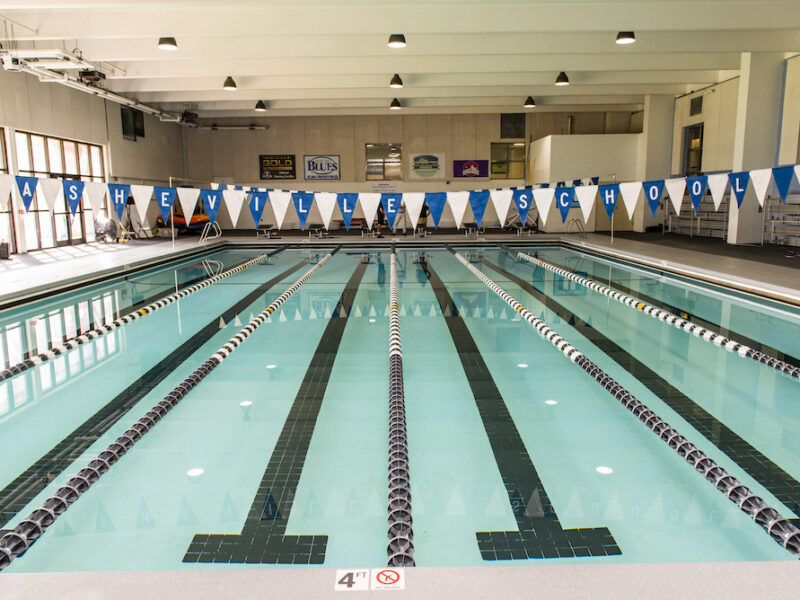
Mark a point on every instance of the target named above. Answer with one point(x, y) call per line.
point(562, 79)
point(260, 106)
point(229, 84)
point(529, 102)
point(625, 37)
point(397, 40)
point(396, 82)
point(395, 105)
point(169, 43)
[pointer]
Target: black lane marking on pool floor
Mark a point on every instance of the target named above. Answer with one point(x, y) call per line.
point(779, 483)
point(684, 314)
point(17, 494)
point(540, 533)
point(263, 539)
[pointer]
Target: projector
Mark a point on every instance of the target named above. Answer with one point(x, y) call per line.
point(91, 77)
point(11, 63)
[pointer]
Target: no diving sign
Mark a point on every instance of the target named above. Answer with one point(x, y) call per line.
point(352, 580)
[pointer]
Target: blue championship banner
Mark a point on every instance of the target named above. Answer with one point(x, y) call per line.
point(321, 166)
point(277, 166)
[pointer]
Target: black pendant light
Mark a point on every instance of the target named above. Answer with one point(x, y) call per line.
point(229, 84)
point(260, 106)
point(397, 40)
point(562, 79)
point(529, 102)
point(626, 37)
point(395, 105)
point(396, 82)
point(167, 43)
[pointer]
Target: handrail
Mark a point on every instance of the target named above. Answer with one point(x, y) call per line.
point(207, 232)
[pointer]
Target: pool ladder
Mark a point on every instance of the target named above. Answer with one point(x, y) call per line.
point(576, 226)
point(211, 231)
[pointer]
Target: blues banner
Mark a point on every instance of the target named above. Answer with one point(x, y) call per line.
point(478, 202)
point(609, 194)
point(27, 188)
point(391, 202)
point(522, 200)
point(73, 190)
point(436, 202)
point(258, 200)
point(783, 180)
point(302, 204)
point(564, 197)
point(119, 193)
point(739, 183)
point(697, 189)
point(653, 191)
point(212, 200)
point(165, 197)
point(347, 204)
point(321, 166)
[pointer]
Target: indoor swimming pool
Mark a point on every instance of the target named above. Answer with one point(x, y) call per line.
point(278, 456)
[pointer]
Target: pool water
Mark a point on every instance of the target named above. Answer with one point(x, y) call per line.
point(288, 436)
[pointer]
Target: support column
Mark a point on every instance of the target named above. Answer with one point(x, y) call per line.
point(655, 150)
point(15, 206)
point(755, 143)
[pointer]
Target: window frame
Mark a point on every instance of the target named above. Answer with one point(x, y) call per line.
point(507, 162)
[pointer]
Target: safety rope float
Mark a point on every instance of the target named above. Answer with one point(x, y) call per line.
point(401, 535)
point(29, 530)
point(76, 341)
point(667, 317)
point(780, 529)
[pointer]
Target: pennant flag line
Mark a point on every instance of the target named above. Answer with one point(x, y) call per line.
point(212, 200)
point(458, 204)
point(51, 190)
point(234, 201)
point(187, 199)
point(783, 180)
point(326, 202)
point(141, 199)
point(501, 200)
point(73, 190)
point(165, 198)
point(279, 201)
point(413, 203)
point(697, 189)
point(564, 197)
point(739, 183)
point(302, 204)
point(369, 206)
point(478, 202)
point(630, 196)
point(523, 200)
point(586, 195)
point(675, 190)
point(391, 204)
point(653, 191)
point(760, 179)
point(435, 202)
point(717, 184)
point(609, 194)
point(347, 205)
point(96, 192)
point(119, 193)
point(543, 198)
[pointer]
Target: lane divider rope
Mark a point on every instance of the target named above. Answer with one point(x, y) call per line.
point(401, 534)
point(31, 529)
point(667, 317)
point(779, 528)
point(96, 332)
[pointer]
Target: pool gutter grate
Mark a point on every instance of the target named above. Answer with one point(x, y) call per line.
point(24, 535)
point(780, 529)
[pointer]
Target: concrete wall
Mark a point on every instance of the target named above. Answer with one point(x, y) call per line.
point(719, 123)
point(789, 150)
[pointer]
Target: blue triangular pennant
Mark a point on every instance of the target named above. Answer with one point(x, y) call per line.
point(119, 193)
point(212, 200)
point(697, 189)
point(560, 184)
point(653, 190)
point(739, 183)
point(436, 202)
point(258, 200)
point(595, 180)
point(347, 203)
point(302, 204)
point(577, 182)
point(478, 202)
point(27, 188)
point(391, 202)
point(608, 195)
point(783, 180)
point(564, 198)
point(165, 197)
point(73, 190)
point(523, 200)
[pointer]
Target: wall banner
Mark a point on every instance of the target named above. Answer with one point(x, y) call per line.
point(470, 168)
point(321, 166)
point(426, 166)
point(277, 166)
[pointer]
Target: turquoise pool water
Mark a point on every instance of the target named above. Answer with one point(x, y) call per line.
point(476, 376)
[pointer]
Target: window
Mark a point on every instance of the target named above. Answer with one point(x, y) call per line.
point(43, 156)
point(512, 125)
point(696, 106)
point(6, 220)
point(508, 160)
point(384, 162)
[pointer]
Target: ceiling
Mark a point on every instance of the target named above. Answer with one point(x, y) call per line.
point(325, 57)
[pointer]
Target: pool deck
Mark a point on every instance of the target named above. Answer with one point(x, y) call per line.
point(28, 276)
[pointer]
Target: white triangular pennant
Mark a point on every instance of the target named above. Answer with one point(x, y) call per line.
point(187, 198)
point(458, 205)
point(96, 192)
point(630, 193)
point(717, 184)
point(369, 206)
point(280, 203)
point(234, 200)
point(51, 189)
point(586, 195)
point(325, 204)
point(761, 179)
point(141, 199)
point(6, 181)
point(675, 188)
point(543, 198)
point(413, 202)
point(501, 200)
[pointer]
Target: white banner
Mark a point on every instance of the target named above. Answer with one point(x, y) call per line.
point(325, 203)
point(234, 200)
point(586, 195)
point(630, 193)
point(675, 189)
point(369, 206)
point(501, 200)
point(187, 198)
point(717, 184)
point(6, 181)
point(96, 192)
point(413, 202)
point(141, 199)
point(543, 198)
point(458, 204)
point(761, 179)
point(280, 204)
point(426, 166)
point(51, 190)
